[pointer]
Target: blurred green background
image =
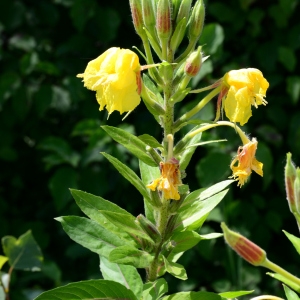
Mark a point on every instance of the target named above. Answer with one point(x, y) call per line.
point(50, 135)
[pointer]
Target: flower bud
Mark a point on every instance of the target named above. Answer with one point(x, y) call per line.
point(149, 228)
point(196, 21)
point(136, 12)
point(148, 14)
point(184, 10)
point(176, 5)
point(163, 19)
point(297, 190)
point(193, 63)
point(244, 247)
point(289, 178)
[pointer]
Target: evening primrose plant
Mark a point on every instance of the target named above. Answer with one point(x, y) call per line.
point(173, 216)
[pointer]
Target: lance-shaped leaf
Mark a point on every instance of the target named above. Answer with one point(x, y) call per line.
point(175, 269)
point(127, 223)
point(291, 295)
point(193, 217)
point(155, 290)
point(130, 175)
point(90, 234)
point(124, 274)
point(285, 280)
point(235, 294)
point(185, 240)
point(23, 253)
point(91, 206)
point(193, 296)
point(150, 141)
point(204, 193)
point(3, 260)
point(148, 174)
point(90, 290)
point(294, 240)
point(129, 255)
point(130, 142)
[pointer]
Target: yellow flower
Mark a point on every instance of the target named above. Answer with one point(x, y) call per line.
point(246, 162)
point(114, 75)
point(243, 88)
point(168, 181)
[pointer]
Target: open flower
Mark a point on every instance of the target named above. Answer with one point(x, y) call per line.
point(241, 89)
point(114, 75)
point(168, 181)
point(246, 162)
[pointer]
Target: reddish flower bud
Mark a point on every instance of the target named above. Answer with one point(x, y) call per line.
point(163, 19)
point(148, 13)
point(193, 63)
point(244, 247)
point(289, 178)
point(149, 228)
point(136, 12)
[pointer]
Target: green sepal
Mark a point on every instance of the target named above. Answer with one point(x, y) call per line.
point(235, 294)
point(284, 280)
point(155, 290)
point(124, 274)
point(192, 217)
point(91, 206)
point(175, 269)
point(89, 290)
point(294, 240)
point(130, 142)
point(193, 296)
point(90, 234)
point(128, 174)
point(128, 255)
point(126, 222)
point(23, 253)
point(291, 295)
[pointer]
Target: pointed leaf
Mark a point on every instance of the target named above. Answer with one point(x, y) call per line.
point(150, 141)
point(294, 240)
point(283, 279)
point(126, 223)
point(130, 142)
point(130, 175)
point(23, 253)
point(185, 240)
point(89, 290)
point(230, 295)
point(155, 290)
point(291, 295)
point(193, 217)
point(193, 296)
point(131, 256)
point(3, 260)
point(175, 269)
point(90, 234)
point(124, 274)
point(91, 206)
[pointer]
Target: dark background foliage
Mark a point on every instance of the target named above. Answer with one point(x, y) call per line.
point(50, 135)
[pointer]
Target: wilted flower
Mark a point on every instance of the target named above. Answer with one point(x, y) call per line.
point(241, 89)
point(114, 75)
point(168, 181)
point(246, 162)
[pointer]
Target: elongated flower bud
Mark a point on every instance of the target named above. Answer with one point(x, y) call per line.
point(184, 10)
point(244, 247)
point(196, 20)
point(136, 12)
point(193, 63)
point(148, 14)
point(289, 178)
point(297, 190)
point(149, 228)
point(163, 19)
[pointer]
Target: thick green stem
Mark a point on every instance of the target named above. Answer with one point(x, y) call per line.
point(271, 266)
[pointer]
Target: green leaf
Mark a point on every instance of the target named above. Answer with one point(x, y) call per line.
point(150, 141)
point(287, 57)
point(91, 206)
point(152, 89)
point(212, 38)
point(148, 174)
point(126, 222)
point(193, 296)
point(294, 240)
point(185, 240)
point(192, 217)
point(90, 234)
point(286, 281)
point(155, 290)
point(128, 174)
point(23, 253)
point(175, 269)
point(293, 88)
point(235, 294)
point(2, 293)
point(131, 256)
point(130, 142)
point(89, 290)
point(3, 260)
point(291, 295)
point(124, 274)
